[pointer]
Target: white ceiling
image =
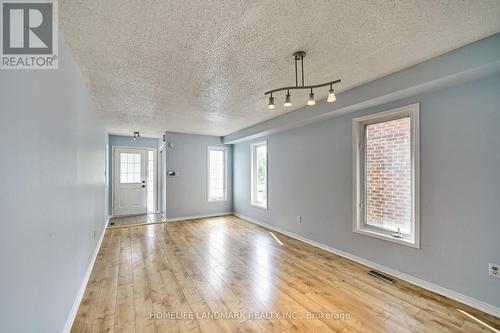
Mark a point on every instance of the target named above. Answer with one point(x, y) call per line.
point(203, 66)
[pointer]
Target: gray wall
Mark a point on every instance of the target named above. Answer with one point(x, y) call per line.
point(187, 193)
point(125, 141)
point(52, 203)
point(310, 174)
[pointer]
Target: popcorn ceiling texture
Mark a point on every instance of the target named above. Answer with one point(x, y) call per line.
point(203, 66)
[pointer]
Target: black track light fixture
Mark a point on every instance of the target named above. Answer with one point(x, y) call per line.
point(299, 57)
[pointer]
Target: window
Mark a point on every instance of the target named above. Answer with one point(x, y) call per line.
point(386, 169)
point(130, 168)
point(259, 174)
point(217, 174)
point(151, 182)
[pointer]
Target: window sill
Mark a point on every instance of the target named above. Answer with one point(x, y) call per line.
point(387, 237)
point(217, 200)
point(259, 206)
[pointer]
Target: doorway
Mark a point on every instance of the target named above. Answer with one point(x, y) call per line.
point(134, 181)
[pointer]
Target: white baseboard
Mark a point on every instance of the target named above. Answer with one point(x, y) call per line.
point(174, 219)
point(480, 305)
point(79, 296)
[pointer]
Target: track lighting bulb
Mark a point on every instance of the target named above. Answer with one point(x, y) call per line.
point(288, 100)
point(136, 135)
point(311, 100)
point(331, 96)
point(271, 103)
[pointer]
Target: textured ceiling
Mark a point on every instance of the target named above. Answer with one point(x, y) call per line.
point(203, 66)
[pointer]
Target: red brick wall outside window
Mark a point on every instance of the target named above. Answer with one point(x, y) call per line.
point(388, 175)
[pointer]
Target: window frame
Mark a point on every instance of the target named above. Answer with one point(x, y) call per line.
point(359, 178)
point(133, 173)
point(224, 149)
point(253, 168)
point(154, 181)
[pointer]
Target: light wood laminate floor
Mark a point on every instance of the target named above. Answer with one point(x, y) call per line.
point(224, 274)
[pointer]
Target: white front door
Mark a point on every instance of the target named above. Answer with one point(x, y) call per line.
point(130, 166)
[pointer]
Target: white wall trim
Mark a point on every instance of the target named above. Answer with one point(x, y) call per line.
point(194, 217)
point(480, 305)
point(81, 292)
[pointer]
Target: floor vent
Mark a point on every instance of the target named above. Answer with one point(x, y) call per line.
point(381, 276)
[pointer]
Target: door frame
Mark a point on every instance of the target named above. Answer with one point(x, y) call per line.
point(113, 188)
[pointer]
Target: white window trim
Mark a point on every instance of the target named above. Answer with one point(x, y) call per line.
point(155, 181)
point(224, 149)
point(358, 124)
point(253, 148)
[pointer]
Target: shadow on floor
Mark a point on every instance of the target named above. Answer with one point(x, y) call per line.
point(122, 221)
